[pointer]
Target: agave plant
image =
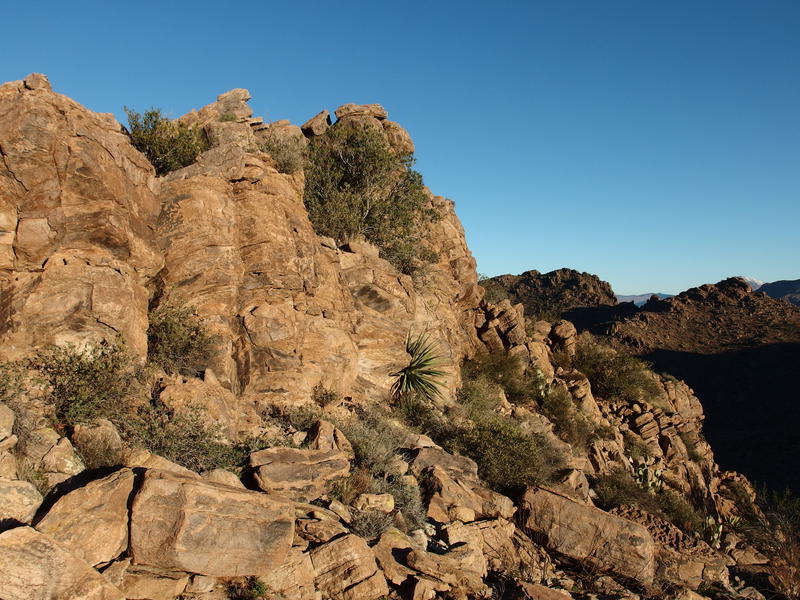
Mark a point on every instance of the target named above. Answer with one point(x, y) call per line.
point(422, 375)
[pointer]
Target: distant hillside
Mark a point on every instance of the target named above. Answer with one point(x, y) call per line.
point(788, 290)
point(738, 350)
point(548, 295)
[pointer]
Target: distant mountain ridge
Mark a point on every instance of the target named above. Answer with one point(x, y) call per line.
point(787, 289)
point(640, 299)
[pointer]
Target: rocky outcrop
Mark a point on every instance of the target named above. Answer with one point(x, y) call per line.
point(590, 535)
point(33, 566)
point(308, 335)
point(555, 292)
point(207, 528)
point(77, 210)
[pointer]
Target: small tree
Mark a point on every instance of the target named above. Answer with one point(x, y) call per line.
point(357, 185)
point(168, 145)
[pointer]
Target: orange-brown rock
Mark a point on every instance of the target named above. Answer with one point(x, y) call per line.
point(300, 473)
point(201, 527)
point(33, 566)
point(77, 207)
point(588, 534)
point(345, 569)
point(93, 520)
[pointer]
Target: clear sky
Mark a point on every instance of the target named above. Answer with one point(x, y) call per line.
point(656, 144)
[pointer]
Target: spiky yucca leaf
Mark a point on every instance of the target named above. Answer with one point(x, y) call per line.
point(422, 375)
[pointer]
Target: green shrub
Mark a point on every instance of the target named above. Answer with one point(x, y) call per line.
point(614, 375)
point(181, 437)
point(249, 588)
point(520, 386)
point(570, 424)
point(415, 411)
point(168, 145)
point(635, 447)
point(620, 488)
point(374, 439)
point(289, 152)
point(422, 376)
point(356, 185)
point(323, 396)
point(508, 458)
point(85, 384)
point(176, 339)
point(228, 117)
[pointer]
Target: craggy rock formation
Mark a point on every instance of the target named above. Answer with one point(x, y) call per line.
point(734, 347)
point(91, 239)
point(557, 291)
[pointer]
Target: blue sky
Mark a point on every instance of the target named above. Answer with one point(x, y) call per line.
point(656, 144)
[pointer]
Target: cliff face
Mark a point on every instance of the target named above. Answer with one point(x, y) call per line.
point(90, 239)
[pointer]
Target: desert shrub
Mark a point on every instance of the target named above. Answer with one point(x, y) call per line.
point(356, 185)
point(374, 439)
point(635, 447)
point(773, 526)
point(289, 152)
point(570, 424)
point(614, 375)
point(679, 511)
point(508, 458)
point(407, 500)
point(519, 385)
point(249, 588)
point(176, 339)
point(620, 488)
point(168, 145)
point(228, 117)
point(415, 411)
point(182, 437)
point(422, 376)
point(323, 396)
point(370, 524)
point(28, 471)
point(85, 384)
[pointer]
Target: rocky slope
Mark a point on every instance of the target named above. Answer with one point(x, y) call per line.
point(556, 292)
point(354, 503)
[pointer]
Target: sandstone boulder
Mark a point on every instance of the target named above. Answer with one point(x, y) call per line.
point(317, 125)
point(93, 520)
point(33, 566)
point(294, 578)
point(19, 501)
point(302, 474)
point(206, 528)
point(345, 569)
point(588, 534)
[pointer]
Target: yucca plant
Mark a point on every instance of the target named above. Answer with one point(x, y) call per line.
point(422, 376)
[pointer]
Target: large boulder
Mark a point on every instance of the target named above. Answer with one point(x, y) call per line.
point(587, 534)
point(93, 520)
point(33, 566)
point(300, 473)
point(207, 528)
point(345, 569)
